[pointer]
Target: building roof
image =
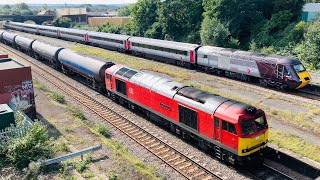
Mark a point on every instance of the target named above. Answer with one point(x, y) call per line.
point(9, 64)
point(311, 7)
point(45, 12)
point(97, 13)
point(70, 11)
point(4, 108)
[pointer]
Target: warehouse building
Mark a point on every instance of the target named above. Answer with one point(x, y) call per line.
point(78, 15)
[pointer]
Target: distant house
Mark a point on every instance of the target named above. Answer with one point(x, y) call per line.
point(75, 14)
point(46, 13)
point(311, 12)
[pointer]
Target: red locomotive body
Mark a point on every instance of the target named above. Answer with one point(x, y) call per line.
point(235, 131)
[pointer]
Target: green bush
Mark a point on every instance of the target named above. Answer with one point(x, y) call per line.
point(77, 113)
point(58, 97)
point(84, 164)
point(103, 130)
point(19, 152)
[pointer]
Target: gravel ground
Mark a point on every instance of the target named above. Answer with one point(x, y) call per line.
point(259, 95)
point(163, 169)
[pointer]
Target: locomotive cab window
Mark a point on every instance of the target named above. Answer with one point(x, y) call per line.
point(260, 123)
point(247, 127)
point(188, 117)
point(231, 128)
point(121, 87)
point(299, 68)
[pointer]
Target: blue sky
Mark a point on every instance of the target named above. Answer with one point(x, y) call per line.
point(68, 1)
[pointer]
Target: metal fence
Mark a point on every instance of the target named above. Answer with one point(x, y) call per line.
point(16, 131)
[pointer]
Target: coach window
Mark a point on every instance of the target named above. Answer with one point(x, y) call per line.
point(229, 127)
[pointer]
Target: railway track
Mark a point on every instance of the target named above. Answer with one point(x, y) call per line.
point(168, 154)
point(267, 173)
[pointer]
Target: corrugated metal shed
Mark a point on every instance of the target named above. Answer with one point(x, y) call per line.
point(6, 116)
point(311, 12)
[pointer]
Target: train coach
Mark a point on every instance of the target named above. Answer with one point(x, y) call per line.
point(234, 131)
point(267, 70)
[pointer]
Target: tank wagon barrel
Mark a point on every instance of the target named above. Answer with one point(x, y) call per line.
point(9, 37)
point(47, 51)
point(86, 66)
point(24, 42)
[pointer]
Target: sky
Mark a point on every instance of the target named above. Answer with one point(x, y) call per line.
point(68, 1)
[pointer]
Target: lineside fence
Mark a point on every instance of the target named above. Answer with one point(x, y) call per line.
point(19, 131)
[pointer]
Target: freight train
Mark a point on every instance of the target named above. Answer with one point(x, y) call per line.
point(234, 132)
point(268, 70)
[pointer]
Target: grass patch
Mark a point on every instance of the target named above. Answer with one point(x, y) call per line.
point(122, 152)
point(295, 144)
point(84, 164)
point(37, 84)
point(87, 175)
point(57, 97)
point(103, 130)
point(76, 112)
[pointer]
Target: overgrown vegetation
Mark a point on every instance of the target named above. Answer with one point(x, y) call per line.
point(62, 22)
point(103, 130)
point(295, 144)
point(34, 146)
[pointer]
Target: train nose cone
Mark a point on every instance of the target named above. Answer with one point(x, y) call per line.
point(305, 79)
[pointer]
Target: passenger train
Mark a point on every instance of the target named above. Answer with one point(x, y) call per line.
point(267, 70)
point(233, 131)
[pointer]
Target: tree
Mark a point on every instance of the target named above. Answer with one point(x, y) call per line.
point(181, 20)
point(241, 16)
point(5, 10)
point(309, 50)
point(213, 32)
point(144, 14)
point(62, 22)
point(22, 6)
point(124, 11)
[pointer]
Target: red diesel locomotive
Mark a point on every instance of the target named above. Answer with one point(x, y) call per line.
point(236, 132)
